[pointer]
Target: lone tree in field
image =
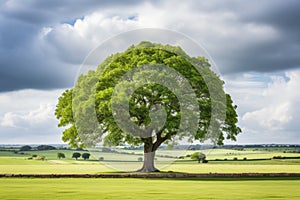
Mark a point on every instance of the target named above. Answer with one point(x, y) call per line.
point(185, 100)
point(60, 155)
point(198, 156)
point(85, 156)
point(76, 155)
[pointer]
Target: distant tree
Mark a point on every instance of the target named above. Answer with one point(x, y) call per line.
point(85, 156)
point(140, 159)
point(101, 158)
point(25, 148)
point(45, 147)
point(198, 156)
point(60, 155)
point(76, 155)
point(41, 158)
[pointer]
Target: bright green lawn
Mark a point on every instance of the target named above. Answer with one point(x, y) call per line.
point(67, 188)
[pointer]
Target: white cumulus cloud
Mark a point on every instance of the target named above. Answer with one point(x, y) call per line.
point(268, 106)
point(27, 116)
point(34, 119)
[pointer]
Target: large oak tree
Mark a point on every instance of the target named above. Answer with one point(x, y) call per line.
point(154, 114)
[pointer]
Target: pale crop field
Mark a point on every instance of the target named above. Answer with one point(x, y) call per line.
point(114, 162)
point(20, 165)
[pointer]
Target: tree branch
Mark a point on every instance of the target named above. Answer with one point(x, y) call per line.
point(159, 140)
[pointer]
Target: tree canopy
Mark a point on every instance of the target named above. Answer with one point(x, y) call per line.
point(60, 155)
point(150, 94)
point(76, 155)
point(85, 156)
point(25, 148)
point(198, 156)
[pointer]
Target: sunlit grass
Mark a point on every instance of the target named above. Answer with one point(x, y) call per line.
point(68, 188)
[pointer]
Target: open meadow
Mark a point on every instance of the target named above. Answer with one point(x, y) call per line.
point(219, 161)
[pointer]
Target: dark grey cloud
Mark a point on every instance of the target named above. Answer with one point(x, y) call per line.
point(55, 11)
point(261, 53)
point(25, 63)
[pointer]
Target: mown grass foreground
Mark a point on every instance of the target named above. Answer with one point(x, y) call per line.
point(80, 188)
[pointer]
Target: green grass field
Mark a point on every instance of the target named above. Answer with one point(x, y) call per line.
point(68, 188)
point(108, 188)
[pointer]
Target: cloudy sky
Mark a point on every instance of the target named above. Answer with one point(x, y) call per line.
point(255, 45)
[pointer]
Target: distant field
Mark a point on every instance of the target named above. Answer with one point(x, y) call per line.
point(19, 163)
point(68, 188)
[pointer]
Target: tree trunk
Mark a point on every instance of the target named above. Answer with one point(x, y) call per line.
point(149, 154)
point(148, 165)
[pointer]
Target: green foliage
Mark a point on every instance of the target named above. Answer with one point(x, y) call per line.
point(41, 158)
point(140, 159)
point(85, 156)
point(198, 156)
point(45, 147)
point(25, 148)
point(76, 155)
point(60, 155)
point(95, 89)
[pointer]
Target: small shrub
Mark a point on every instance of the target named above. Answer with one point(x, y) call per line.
point(41, 158)
point(225, 158)
point(235, 158)
point(204, 161)
point(277, 157)
point(34, 156)
point(198, 156)
point(140, 159)
point(101, 158)
point(244, 158)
